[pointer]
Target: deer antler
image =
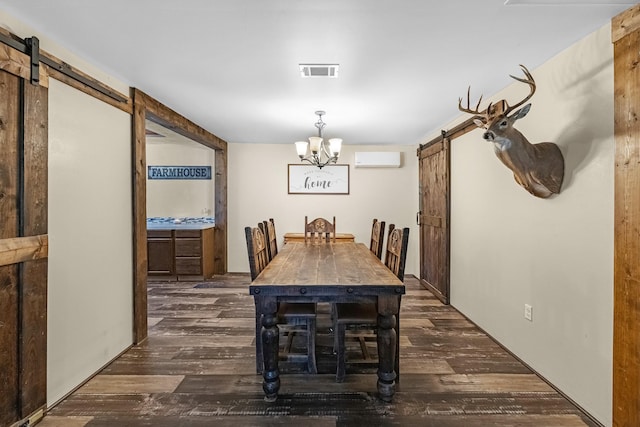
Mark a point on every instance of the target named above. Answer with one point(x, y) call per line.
point(502, 107)
point(468, 109)
point(532, 86)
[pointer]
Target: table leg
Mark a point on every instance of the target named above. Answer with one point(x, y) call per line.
point(388, 308)
point(258, 341)
point(270, 344)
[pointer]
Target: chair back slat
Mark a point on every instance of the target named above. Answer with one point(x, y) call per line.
point(269, 230)
point(257, 250)
point(319, 230)
point(377, 236)
point(272, 240)
point(397, 242)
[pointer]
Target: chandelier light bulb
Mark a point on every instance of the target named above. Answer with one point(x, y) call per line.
point(314, 144)
point(335, 145)
point(301, 147)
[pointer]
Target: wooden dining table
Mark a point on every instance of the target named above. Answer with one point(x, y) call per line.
point(334, 273)
point(299, 237)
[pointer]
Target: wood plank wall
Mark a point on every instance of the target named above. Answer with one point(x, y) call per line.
point(625, 29)
point(33, 274)
point(23, 239)
point(9, 165)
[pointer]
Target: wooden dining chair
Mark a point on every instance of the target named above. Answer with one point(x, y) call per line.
point(364, 316)
point(377, 237)
point(319, 230)
point(396, 255)
point(257, 250)
point(291, 315)
point(269, 230)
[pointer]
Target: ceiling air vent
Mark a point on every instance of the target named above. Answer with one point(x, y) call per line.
point(319, 70)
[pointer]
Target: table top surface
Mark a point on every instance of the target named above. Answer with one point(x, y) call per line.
point(327, 265)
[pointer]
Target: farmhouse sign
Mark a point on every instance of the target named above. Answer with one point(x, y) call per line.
point(308, 179)
point(179, 172)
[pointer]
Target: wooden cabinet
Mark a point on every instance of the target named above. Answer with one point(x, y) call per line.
point(194, 253)
point(181, 254)
point(160, 258)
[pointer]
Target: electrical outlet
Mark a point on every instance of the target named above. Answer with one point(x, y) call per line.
point(528, 312)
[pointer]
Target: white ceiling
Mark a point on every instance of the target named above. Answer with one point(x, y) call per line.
point(231, 66)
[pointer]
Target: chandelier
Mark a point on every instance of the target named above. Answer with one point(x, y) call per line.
point(320, 155)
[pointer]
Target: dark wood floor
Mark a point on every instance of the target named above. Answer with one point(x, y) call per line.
point(197, 368)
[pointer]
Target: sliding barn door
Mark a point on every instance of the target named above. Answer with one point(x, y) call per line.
point(433, 217)
point(23, 246)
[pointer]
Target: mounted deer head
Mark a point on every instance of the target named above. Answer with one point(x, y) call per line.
point(539, 168)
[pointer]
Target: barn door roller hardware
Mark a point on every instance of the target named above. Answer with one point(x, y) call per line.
point(31, 46)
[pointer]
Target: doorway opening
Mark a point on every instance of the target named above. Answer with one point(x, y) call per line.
point(147, 110)
point(180, 205)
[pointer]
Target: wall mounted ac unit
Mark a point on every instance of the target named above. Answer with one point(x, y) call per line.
point(377, 159)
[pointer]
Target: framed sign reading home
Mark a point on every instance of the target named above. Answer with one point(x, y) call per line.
point(308, 179)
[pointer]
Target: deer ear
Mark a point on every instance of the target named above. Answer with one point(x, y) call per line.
point(521, 112)
point(478, 123)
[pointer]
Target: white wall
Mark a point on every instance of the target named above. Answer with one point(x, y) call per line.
point(510, 248)
point(90, 277)
point(257, 190)
point(181, 197)
point(90, 314)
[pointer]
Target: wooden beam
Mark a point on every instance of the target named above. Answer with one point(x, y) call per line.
point(140, 254)
point(19, 64)
point(21, 249)
point(460, 129)
point(220, 236)
point(626, 292)
point(58, 73)
point(147, 108)
point(165, 116)
point(456, 131)
point(626, 23)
